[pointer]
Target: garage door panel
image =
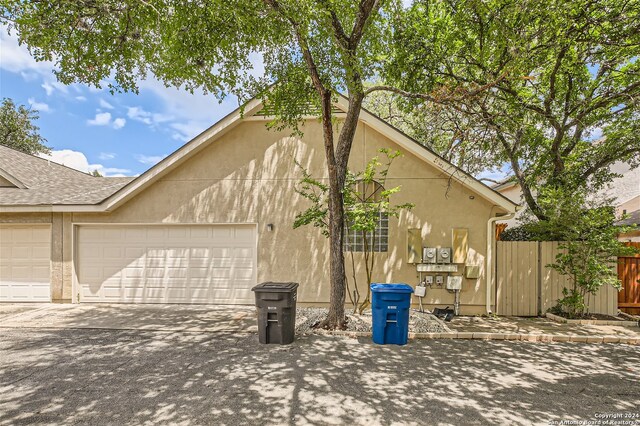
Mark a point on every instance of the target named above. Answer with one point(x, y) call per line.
point(170, 264)
point(200, 232)
point(134, 233)
point(178, 232)
point(25, 257)
point(133, 273)
point(156, 233)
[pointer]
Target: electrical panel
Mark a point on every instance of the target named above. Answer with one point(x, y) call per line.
point(444, 255)
point(439, 280)
point(472, 272)
point(420, 290)
point(429, 255)
point(454, 282)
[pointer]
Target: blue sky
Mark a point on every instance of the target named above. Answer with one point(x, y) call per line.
point(90, 129)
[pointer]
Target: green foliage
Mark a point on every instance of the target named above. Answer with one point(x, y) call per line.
point(365, 198)
point(239, 47)
point(96, 173)
point(588, 242)
point(456, 137)
point(17, 128)
point(317, 193)
point(563, 76)
point(517, 233)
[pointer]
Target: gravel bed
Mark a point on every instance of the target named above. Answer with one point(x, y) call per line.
point(419, 322)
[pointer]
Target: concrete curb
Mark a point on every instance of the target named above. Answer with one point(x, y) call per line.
point(545, 338)
point(562, 320)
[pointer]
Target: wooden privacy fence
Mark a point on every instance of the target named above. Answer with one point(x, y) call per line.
point(525, 286)
point(629, 275)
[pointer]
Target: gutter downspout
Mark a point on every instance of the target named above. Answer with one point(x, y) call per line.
point(490, 241)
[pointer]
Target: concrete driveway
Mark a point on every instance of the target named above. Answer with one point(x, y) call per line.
point(143, 376)
point(186, 318)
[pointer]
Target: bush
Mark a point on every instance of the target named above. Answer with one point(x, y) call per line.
point(518, 233)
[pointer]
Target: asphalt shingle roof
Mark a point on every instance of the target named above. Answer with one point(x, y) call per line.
point(49, 183)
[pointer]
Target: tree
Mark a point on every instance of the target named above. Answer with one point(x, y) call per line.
point(366, 201)
point(96, 173)
point(17, 128)
point(311, 50)
point(460, 139)
point(589, 244)
point(564, 102)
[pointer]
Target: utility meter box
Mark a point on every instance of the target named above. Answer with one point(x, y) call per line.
point(454, 282)
point(429, 255)
point(439, 280)
point(444, 255)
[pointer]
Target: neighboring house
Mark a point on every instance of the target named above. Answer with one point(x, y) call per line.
point(215, 218)
point(625, 190)
point(630, 211)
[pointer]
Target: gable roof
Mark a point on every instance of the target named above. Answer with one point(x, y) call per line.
point(37, 181)
point(124, 191)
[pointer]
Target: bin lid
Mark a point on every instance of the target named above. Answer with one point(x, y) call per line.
point(273, 287)
point(391, 288)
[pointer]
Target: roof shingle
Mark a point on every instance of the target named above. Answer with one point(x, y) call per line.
point(49, 183)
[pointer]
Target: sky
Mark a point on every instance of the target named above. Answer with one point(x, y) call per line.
point(122, 134)
point(91, 129)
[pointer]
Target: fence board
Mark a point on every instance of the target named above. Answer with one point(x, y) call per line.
point(629, 274)
point(522, 272)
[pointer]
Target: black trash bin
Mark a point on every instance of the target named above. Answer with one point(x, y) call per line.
point(276, 305)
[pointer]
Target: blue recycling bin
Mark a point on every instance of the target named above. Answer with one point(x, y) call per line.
point(390, 305)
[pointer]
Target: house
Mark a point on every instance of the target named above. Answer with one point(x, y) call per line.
point(214, 218)
point(624, 190)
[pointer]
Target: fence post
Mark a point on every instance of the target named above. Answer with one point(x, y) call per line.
point(539, 283)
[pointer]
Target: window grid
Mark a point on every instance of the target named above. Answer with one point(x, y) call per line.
point(354, 240)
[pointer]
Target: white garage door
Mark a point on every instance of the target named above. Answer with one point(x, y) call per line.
point(166, 263)
point(25, 259)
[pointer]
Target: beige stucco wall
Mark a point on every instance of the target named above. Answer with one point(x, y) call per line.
point(248, 176)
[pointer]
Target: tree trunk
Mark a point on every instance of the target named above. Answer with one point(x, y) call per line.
point(335, 318)
point(337, 166)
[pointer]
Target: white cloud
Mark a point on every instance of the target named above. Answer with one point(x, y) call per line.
point(81, 98)
point(77, 160)
point(138, 114)
point(119, 123)
point(101, 119)
point(149, 160)
point(40, 106)
point(107, 155)
point(151, 119)
point(16, 58)
point(105, 104)
point(189, 113)
point(29, 75)
point(187, 130)
point(104, 119)
point(47, 88)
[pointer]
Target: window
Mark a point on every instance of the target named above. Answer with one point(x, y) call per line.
point(377, 241)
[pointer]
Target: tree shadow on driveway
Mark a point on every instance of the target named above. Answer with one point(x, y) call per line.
point(138, 377)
